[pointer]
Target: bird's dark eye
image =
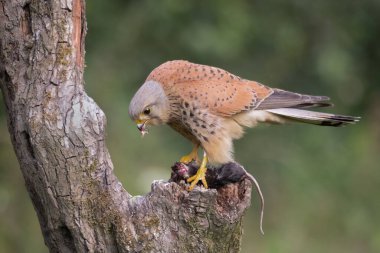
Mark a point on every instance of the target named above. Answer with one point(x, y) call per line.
point(147, 111)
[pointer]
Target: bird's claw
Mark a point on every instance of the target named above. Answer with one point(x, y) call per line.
point(190, 157)
point(199, 176)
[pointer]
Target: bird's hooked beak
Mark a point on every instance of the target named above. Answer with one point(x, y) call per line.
point(141, 126)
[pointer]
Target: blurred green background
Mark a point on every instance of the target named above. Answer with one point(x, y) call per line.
point(321, 185)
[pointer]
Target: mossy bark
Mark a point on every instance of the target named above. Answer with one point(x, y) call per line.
point(58, 135)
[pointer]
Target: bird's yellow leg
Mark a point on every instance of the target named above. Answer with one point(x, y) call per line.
point(200, 175)
point(192, 156)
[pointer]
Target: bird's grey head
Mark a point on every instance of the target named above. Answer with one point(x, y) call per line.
point(149, 106)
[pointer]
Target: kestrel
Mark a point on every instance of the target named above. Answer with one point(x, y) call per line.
point(211, 107)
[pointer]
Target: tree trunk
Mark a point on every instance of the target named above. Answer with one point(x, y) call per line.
point(58, 135)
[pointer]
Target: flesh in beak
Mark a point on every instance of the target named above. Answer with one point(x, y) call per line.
point(142, 128)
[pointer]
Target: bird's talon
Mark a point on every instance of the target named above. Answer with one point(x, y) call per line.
point(186, 159)
point(199, 176)
point(204, 182)
point(190, 157)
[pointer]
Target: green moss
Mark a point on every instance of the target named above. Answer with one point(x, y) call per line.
point(152, 222)
point(93, 166)
point(63, 51)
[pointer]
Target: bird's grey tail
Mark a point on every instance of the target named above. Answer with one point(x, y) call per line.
point(316, 118)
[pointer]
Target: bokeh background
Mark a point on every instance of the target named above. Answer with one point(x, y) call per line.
point(321, 185)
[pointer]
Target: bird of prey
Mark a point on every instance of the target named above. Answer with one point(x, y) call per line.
point(211, 107)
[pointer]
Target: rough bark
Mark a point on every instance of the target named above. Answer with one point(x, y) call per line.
point(58, 135)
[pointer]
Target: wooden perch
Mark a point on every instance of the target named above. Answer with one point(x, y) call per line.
point(58, 135)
